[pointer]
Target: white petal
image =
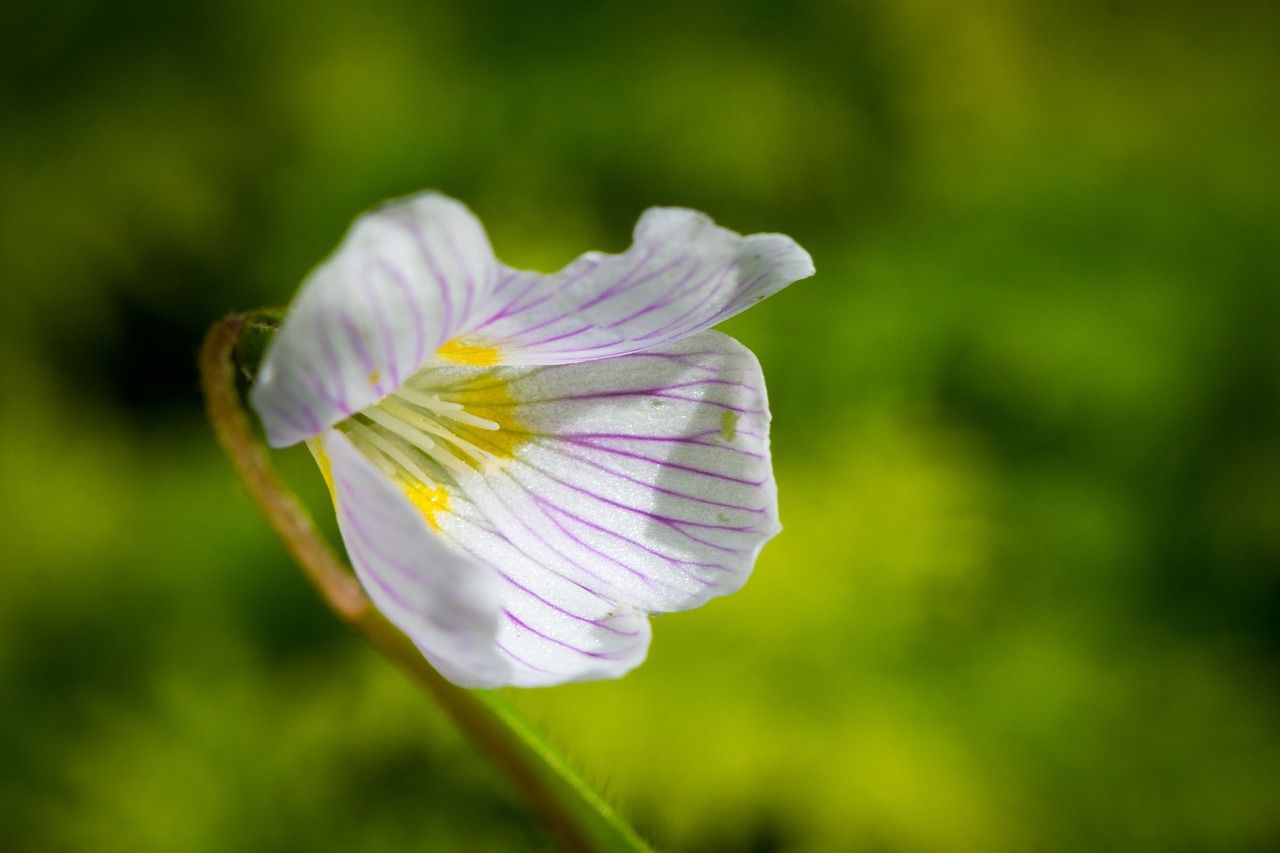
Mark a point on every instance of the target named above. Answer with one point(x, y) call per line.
point(553, 630)
point(682, 274)
point(447, 602)
point(406, 278)
point(645, 478)
point(483, 620)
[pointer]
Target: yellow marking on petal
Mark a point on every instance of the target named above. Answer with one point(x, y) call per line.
point(459, 352)
point(488, 396)
point(429, 501)
point(316, 446)
point(374, 377)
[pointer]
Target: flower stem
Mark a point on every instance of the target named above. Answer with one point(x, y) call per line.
point(577, 816)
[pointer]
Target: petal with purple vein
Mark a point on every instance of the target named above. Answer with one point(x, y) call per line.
point(645, 478)
point(406, 279)
point(682, 274)
point(447, 602)
point(553, 630)
point(483, 619)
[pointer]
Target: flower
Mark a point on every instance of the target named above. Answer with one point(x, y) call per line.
point(525, 466)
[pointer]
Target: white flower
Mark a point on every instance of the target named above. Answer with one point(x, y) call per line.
point(524, 466)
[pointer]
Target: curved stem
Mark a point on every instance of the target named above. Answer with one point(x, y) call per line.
point(578, 817)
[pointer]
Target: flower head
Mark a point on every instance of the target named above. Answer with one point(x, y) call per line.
point(523, 465)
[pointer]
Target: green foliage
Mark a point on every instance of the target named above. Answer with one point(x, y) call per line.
point(1027, 416)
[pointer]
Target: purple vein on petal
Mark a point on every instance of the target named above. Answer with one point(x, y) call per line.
point(550, 506)
point(316, 387)
point(574, 616)
point(428, 258)
point(300, 416)
point(335, 371)
point(681, 562)
point(358, 496)
point(462, 265)
point(646, 579)
point(679, 324)
point(626, 454)
point(391, 592)
point(660, 392)
point(618, 289)
point(550, 321)
point(524, 589)
point(552, 548)
point(734, 305)
point(724, 549)
point(563, 336)
point(666, 558)
point(379, 310)
point(357, 343)
point(510, 309)
point(361, 548)
point(588, 267)
point(522, 624)
point(370, 543)
point(604, 345)
point(668, 297)
point(643, 513)
point(546, 505)
point(659, 489)
point(622, 393)
point(689, 360)
point(691, 439)
point(515, 657)
point(621, 285)
point(410, 299)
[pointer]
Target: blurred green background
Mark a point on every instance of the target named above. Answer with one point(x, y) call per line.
point(1027, 416)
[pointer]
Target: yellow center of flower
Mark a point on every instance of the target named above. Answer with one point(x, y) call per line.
point(443, 425)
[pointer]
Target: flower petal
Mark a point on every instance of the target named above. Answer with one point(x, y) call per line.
point(445, 601)
point(644, 478)
point(406, 278)
point(553, 630)
point(682, 274)
point(482, 620)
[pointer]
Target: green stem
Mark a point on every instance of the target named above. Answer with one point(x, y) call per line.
point(576, 815)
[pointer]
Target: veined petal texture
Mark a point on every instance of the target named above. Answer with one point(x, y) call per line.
point(480, 623)
point(406, 278)
point(525, 466)
point(683, 273)
point(445, 601)
point(643, 478)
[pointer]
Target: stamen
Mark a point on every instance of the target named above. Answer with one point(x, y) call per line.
point(426, 401)
point(373, 454)
point(416, 428)
point(414, 436)
point(411, 423)
point(471, 420)
point(428, 425)
point(386, 449)
point(444, 408)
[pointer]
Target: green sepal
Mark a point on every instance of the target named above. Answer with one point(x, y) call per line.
point(256, 333)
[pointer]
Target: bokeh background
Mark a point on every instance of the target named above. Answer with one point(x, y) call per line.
point(1027, 416)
